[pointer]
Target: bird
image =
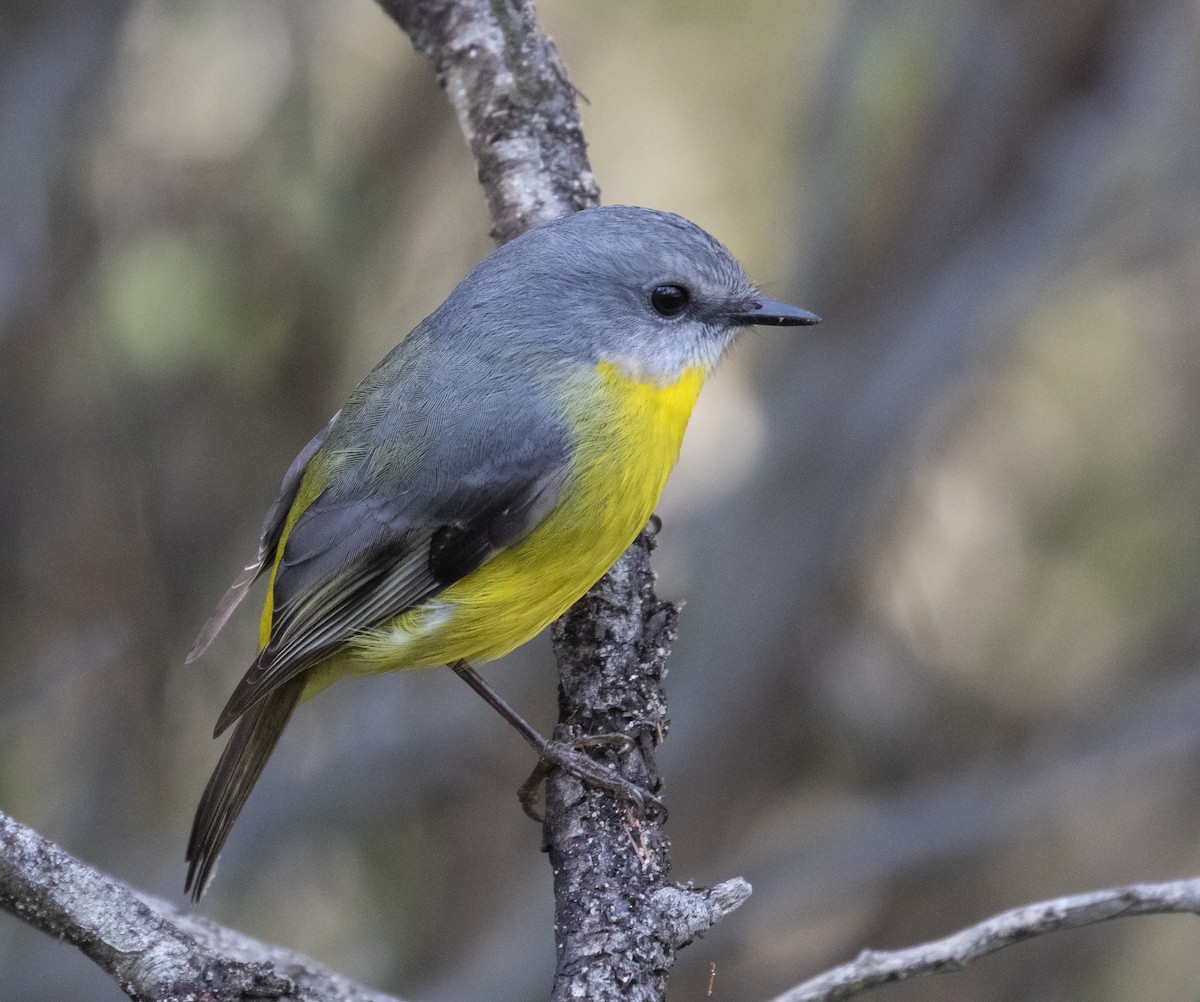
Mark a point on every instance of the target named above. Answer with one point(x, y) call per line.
point(483, 475)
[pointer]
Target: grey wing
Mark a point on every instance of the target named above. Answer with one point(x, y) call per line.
point(346, 566)
point(272, 530)
point(350, 565)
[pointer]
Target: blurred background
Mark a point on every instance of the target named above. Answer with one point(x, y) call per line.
point(941, 555)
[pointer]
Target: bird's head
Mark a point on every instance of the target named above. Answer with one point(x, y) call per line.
point(648, 291)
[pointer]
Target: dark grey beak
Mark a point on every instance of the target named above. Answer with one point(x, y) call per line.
point(768, 312)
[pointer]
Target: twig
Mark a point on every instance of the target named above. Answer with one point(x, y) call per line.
point(878, 967)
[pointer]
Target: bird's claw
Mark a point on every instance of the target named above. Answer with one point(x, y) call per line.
point(567, 756)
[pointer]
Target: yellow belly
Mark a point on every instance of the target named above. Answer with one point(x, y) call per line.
point(628, 433)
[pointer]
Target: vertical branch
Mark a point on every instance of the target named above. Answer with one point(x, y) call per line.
point(514, 103)
point(618, 922)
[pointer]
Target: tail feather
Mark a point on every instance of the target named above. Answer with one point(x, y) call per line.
point(241, 764)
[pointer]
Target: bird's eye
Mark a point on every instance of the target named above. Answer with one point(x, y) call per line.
point(669, 300)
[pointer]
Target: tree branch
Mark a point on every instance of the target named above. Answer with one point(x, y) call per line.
point(514, 103)
point(151, 950)
point(618, 921)
point(878, 967)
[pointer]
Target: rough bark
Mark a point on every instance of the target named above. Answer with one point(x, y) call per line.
point(155, 953)
point(618, 921)
point(514, 103)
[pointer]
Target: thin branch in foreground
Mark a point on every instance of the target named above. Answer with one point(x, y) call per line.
point(151, 950)
point(872, 968)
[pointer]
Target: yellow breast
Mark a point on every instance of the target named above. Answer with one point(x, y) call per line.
point(627, 435)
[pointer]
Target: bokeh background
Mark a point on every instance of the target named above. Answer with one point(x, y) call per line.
point(941, 556)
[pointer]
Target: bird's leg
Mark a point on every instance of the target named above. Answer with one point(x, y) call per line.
point(497, 702)
point(561, 754)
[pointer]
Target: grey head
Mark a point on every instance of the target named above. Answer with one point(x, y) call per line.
point(647, 290)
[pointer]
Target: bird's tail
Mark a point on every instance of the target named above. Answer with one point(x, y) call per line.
point(241, 763)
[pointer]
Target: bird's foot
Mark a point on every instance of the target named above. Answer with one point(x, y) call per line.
point(566, 755)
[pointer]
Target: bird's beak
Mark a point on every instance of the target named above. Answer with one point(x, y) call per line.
point(768, 312)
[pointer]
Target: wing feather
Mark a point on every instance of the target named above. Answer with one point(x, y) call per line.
point(435, 492)
point(384, 568)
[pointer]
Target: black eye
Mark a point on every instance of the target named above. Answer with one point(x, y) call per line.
point(669, 300)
